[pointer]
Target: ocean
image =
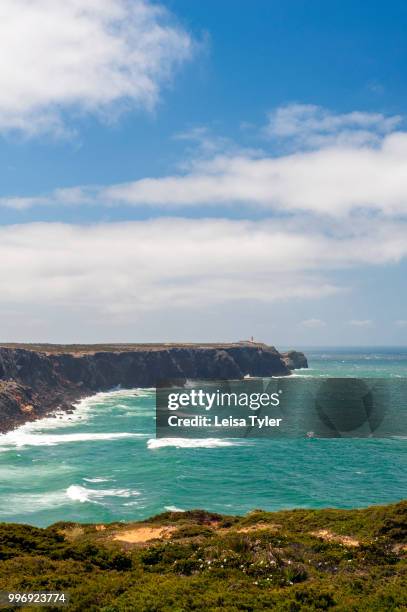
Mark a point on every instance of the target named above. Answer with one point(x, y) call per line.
point(102, 463)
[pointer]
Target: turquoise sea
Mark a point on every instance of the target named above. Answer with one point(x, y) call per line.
point(103, 463)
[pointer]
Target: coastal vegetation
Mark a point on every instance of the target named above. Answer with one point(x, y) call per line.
point(344, 560)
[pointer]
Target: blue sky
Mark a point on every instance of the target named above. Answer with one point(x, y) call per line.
point(203, 171)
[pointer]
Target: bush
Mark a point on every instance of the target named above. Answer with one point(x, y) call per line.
point(215, 567)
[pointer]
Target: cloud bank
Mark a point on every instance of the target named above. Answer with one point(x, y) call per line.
point(332, 181)
point(98, 56)
point(331, 206)
point(123, 268)
point(348, 172)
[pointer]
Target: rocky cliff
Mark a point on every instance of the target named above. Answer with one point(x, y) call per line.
point(295, 360)
point(36, 379)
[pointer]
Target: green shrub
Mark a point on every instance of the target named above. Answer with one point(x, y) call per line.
point(208, 565)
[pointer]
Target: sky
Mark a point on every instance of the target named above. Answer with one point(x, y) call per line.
point(203, 171)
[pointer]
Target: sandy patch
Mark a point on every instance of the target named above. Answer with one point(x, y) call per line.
point(400, 548)
point(139, 535)
point(328, 536)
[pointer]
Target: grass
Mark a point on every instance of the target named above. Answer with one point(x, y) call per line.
point(342, 560)
point(117, 347)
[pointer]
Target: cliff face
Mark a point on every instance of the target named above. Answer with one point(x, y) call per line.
point(295, 360)
point(34, 382)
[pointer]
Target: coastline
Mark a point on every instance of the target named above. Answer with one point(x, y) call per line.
point(36, 380)
point(300, 559)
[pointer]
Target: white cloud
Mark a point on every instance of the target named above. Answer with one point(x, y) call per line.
point(334, 182)
point(313, 323)
point(98, 56)
point(328, 181)
point(171, 263)
point(156, 264)
point(168, 278)
point(119, 270)
point(361, 323)
point(401, 323)
point(331, 181)
point(310, 126)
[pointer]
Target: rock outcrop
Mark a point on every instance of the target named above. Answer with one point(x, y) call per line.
point(35, 380)
point(295, 360)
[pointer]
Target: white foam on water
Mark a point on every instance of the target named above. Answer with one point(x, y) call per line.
point(83, 494)
point(155, 443)
point(119, 393)
point(27, 503)
point(174, 509)
point(136, 414)
point(57, 420)
point(25, 474)
point(32, 433)
point(18, 438)
point(304, 375)
point(97, 479)
point(110, 398)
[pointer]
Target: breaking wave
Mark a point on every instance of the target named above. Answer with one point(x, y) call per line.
point(154, 443)
point(83, 494)
point(173, 509)
point(18, 438)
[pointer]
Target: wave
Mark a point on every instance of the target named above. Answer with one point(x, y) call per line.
point(155, 443)
point(83, 494)
point(57, 420)
point(29, 503)
point(113, 395)
point(34, 502)
point(85, 409)
point(97, 479)
point(173, 509)
point(18, 438)
point(118, 392)
point(306, 375)
point(137, 413)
